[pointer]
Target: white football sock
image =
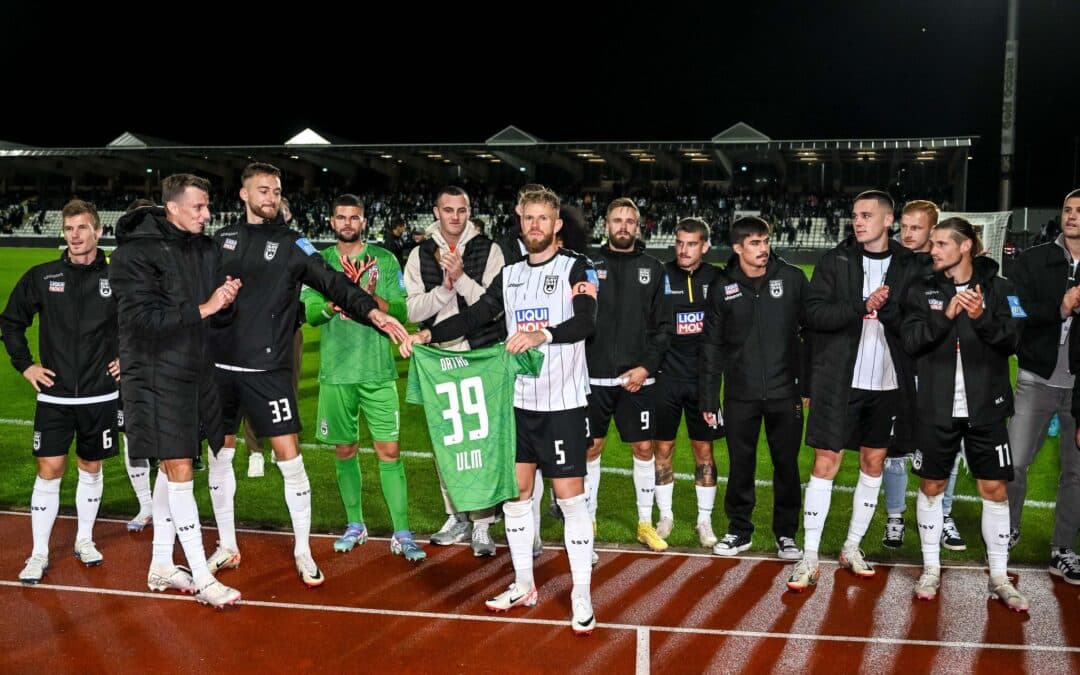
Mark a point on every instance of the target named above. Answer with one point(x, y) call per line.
point(87, 501)
point(44, 505)
point(222, 482)
point(298, 499)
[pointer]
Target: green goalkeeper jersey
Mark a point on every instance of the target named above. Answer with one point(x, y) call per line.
point(350, 352)
point(468, 399)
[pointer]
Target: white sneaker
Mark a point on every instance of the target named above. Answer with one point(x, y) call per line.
point(929, 583)
point(514, 596)
point(223, 559)
point(256, 465)
point(87, 553)
point(217, 594)
point(705, 534)
point(177, 578)
point(36, 566)
point(584, 620)
point(664, 527)
point(309, 572)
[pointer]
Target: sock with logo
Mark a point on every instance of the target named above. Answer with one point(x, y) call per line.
point(578, 537)
point(931, 519)
point(862, 510)
point(222, 481)
point(164, 532)
point(519, 537)
point(815, 510)
point(87, 501)
point(995, 531)
point(645, 488)
point(185, 514)
point(706, 498)
point(298, 499)
point(44, 505)
point(138, 471)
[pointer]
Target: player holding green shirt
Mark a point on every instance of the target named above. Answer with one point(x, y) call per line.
point(357, 373)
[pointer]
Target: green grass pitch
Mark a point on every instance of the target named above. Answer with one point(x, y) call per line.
point(260, 503)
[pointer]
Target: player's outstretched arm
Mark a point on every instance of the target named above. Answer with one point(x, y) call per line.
point(388, 324)
point(421, 337)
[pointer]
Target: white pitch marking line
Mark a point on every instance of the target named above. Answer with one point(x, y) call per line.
point(340, 609)
point(642, 666)
point(634, 551)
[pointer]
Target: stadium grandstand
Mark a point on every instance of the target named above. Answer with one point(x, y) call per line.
point(802, 186)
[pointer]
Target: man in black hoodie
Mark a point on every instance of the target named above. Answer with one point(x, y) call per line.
point(253, 355)
point(961, 324)
point(753, 343)
point(161, 272)
point(854, 388)
point(624, 354)
point(74, 380)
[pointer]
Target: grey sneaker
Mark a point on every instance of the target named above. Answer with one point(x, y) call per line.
point(929, 583)
point(482, 545)
point(457, 528)
point(1003, 590)
point(787, 549)
point(538, 546)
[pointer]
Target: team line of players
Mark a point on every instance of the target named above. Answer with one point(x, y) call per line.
point(657, 340)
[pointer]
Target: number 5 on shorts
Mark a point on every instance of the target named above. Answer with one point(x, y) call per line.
point(560, 454)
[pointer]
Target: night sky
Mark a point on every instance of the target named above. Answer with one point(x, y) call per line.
point(792, 70)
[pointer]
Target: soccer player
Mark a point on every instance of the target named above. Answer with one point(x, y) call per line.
point(624, 354)
point(75, 379)
point(446, 273)
point(917, 219)
point(961, 325)
point(686, 282)
point(253, 355)
point(549, 301)
point(1046, 280)
point(854, 388)
point(752, 342)
point(161, 272)
point(357, 376)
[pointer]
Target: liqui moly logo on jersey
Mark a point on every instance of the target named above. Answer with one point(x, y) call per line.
point(531, 319)
point(688, 323)
point(56, 286)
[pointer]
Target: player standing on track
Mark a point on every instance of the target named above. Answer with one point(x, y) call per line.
point(75, 379)
point(549, 301)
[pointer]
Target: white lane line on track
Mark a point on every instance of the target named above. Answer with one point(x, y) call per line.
point(340, 609)
point(642, 665)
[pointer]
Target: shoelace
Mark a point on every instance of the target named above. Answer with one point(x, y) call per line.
point(1069, 561)
point(787, 542)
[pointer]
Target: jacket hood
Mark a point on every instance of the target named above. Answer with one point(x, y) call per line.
point(148, 222)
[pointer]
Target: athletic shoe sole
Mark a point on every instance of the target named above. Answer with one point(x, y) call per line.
point(1058, 573)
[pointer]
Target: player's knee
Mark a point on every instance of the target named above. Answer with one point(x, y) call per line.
point(993, 490)
point(826, 464)
point(933, 488)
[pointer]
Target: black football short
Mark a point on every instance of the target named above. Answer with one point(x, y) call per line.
point(986, 448)
point(92, 426)
point(870, 418)
point(266, 399)
point(635, 413)
point(673, 398)
point(555, 441)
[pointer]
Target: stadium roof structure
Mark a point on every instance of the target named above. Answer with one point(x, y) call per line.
point(508, 153)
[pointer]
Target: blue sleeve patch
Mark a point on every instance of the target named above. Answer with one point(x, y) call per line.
point(306, 246)
point(590, 276)
point(1014, 307)
point(401, 280)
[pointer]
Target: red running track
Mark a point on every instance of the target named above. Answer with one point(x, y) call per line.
point(671, 612)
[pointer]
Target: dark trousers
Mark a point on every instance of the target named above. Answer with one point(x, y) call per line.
point(783, 430)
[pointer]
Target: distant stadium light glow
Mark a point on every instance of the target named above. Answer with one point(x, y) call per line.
point(743, 168)
point(521, 169)
point(325, 170)
point(149, 171)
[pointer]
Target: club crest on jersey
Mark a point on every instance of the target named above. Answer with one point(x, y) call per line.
point(104, 288)
point(776, 288)
point(551, 282)
point(529, 320)
point(56, 286)
point(644, 275)
point(324, 428)
point(119, 418)
point(688, 323)
point(270, 251)
point(37, 440)
point(916, 460)
point(229, 245)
